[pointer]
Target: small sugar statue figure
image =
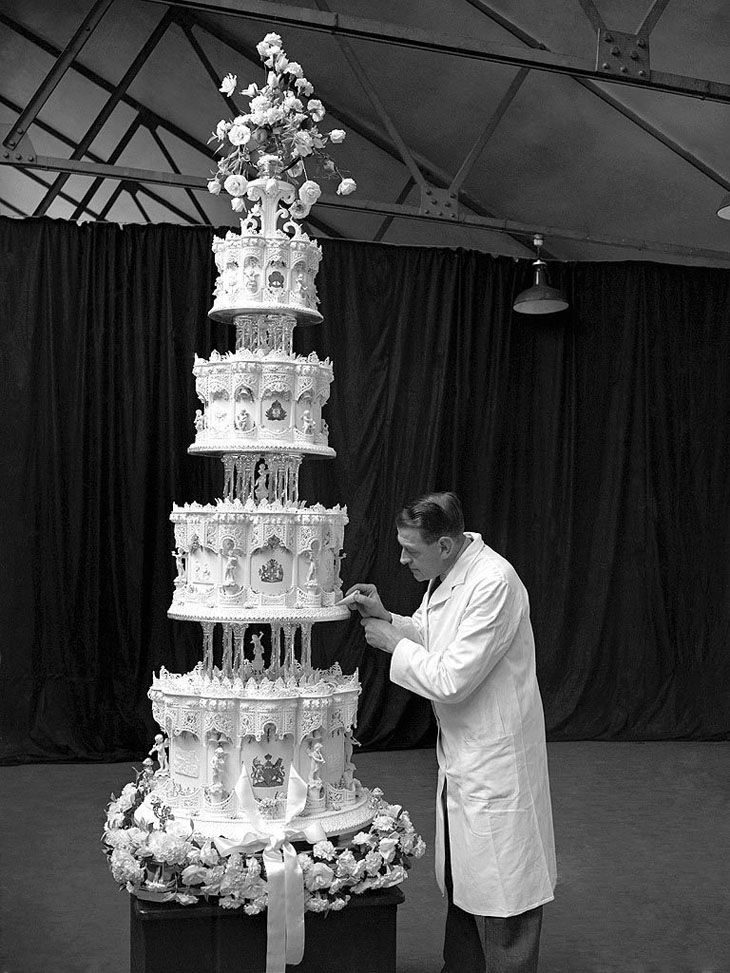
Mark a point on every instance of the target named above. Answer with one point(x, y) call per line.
point(159, 750)
point(308, 423)
point(258, 653)
point(316, 759)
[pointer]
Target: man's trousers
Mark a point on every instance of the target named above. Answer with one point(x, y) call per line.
point(487, 944)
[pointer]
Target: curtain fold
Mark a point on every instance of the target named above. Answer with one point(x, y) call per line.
point(591, 449)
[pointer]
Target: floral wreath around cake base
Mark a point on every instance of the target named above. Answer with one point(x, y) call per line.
point(160, 858)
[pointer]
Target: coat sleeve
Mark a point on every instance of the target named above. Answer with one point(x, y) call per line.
point(483, 634)
point(409, 626)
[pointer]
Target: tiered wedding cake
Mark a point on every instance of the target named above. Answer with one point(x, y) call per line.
point(260, 560)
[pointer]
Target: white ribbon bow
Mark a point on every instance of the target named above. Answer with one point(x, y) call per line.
point(285, 919)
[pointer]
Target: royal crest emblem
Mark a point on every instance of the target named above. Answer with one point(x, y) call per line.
point(264, 773)
point(276, 411)
point(271, 572)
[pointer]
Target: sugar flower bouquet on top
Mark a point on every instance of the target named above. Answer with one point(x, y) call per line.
point(157, 857)
point(281, 125)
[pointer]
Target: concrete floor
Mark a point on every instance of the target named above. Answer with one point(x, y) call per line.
point(642, 833)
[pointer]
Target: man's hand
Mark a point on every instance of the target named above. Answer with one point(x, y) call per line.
point(365, 599)
point(380, 634)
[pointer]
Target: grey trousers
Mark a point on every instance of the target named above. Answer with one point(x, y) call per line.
point(487, 944)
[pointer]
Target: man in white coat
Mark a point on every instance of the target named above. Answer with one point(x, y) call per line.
point(469, 649)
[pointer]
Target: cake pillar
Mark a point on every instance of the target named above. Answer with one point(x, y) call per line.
point(208, 647)
point(227, 665)
point(275, 663)
point(239, 633)
point(306, 630)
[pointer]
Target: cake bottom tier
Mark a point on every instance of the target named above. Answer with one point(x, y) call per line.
point(214, 822)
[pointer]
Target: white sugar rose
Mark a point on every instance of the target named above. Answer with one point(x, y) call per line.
point(295, 69)
point(239, 134)
point(337, 904)
point(303, 143)
point(316, 109)
point(346, 187)
point(337, 135)
point(309, 192)
point(251, 91)
point(238, 205)
point(319, 876)
point(221, 129)
point(235, 185)
point(214, 186)
point(387, 848)
point(228, 85)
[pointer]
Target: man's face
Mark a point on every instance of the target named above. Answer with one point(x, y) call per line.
point(425, 560)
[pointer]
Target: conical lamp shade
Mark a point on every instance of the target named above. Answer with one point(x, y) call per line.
point(540, 298)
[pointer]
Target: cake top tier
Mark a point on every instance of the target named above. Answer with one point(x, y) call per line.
point(267, 268)
point(265, 154)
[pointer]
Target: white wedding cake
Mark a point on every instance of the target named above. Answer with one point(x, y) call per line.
point(259, 567)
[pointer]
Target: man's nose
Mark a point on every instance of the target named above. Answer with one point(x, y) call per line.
point(404, 559)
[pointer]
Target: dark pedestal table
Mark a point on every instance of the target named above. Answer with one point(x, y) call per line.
point(203, 938)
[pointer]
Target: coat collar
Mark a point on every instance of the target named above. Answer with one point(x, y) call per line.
point(458, 572)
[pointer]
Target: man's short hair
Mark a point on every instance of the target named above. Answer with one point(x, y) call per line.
point(435, 515)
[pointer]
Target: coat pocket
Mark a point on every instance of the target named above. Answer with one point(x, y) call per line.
point(491, 781)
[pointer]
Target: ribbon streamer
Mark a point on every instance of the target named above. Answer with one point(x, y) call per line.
point(285, 918)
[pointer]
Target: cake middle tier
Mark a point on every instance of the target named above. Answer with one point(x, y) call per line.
point(261, 401)
point(258, 562)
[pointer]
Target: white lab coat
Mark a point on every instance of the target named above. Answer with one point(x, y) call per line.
point(470, 650)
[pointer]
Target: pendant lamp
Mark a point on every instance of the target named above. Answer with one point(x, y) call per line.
point(541, 298)
point(723, 210)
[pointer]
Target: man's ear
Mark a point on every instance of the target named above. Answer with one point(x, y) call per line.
point(446, 546)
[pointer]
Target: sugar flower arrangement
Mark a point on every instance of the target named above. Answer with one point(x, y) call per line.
point(281, 123)
point(158, 857)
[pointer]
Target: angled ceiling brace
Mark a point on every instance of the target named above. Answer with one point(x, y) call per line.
point(369, 89)
point(63, 63)
point(186, 23)
point(402, 197)
point(591, 12)
point(175, 168)
point(653, 15)
point(305, 18)
point(614, 103)
point(111, 201)
point(103, 116)
point(29, 174)
point(132, 192)
point(478, 147)
point(11, 206)
point(121, 145)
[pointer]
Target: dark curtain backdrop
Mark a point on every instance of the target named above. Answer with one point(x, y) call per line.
point(591, 448)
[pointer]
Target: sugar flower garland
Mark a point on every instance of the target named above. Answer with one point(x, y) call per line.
point(282, 121)
point(158, 857)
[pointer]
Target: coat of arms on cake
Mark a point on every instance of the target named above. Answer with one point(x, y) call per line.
point(257, 742)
